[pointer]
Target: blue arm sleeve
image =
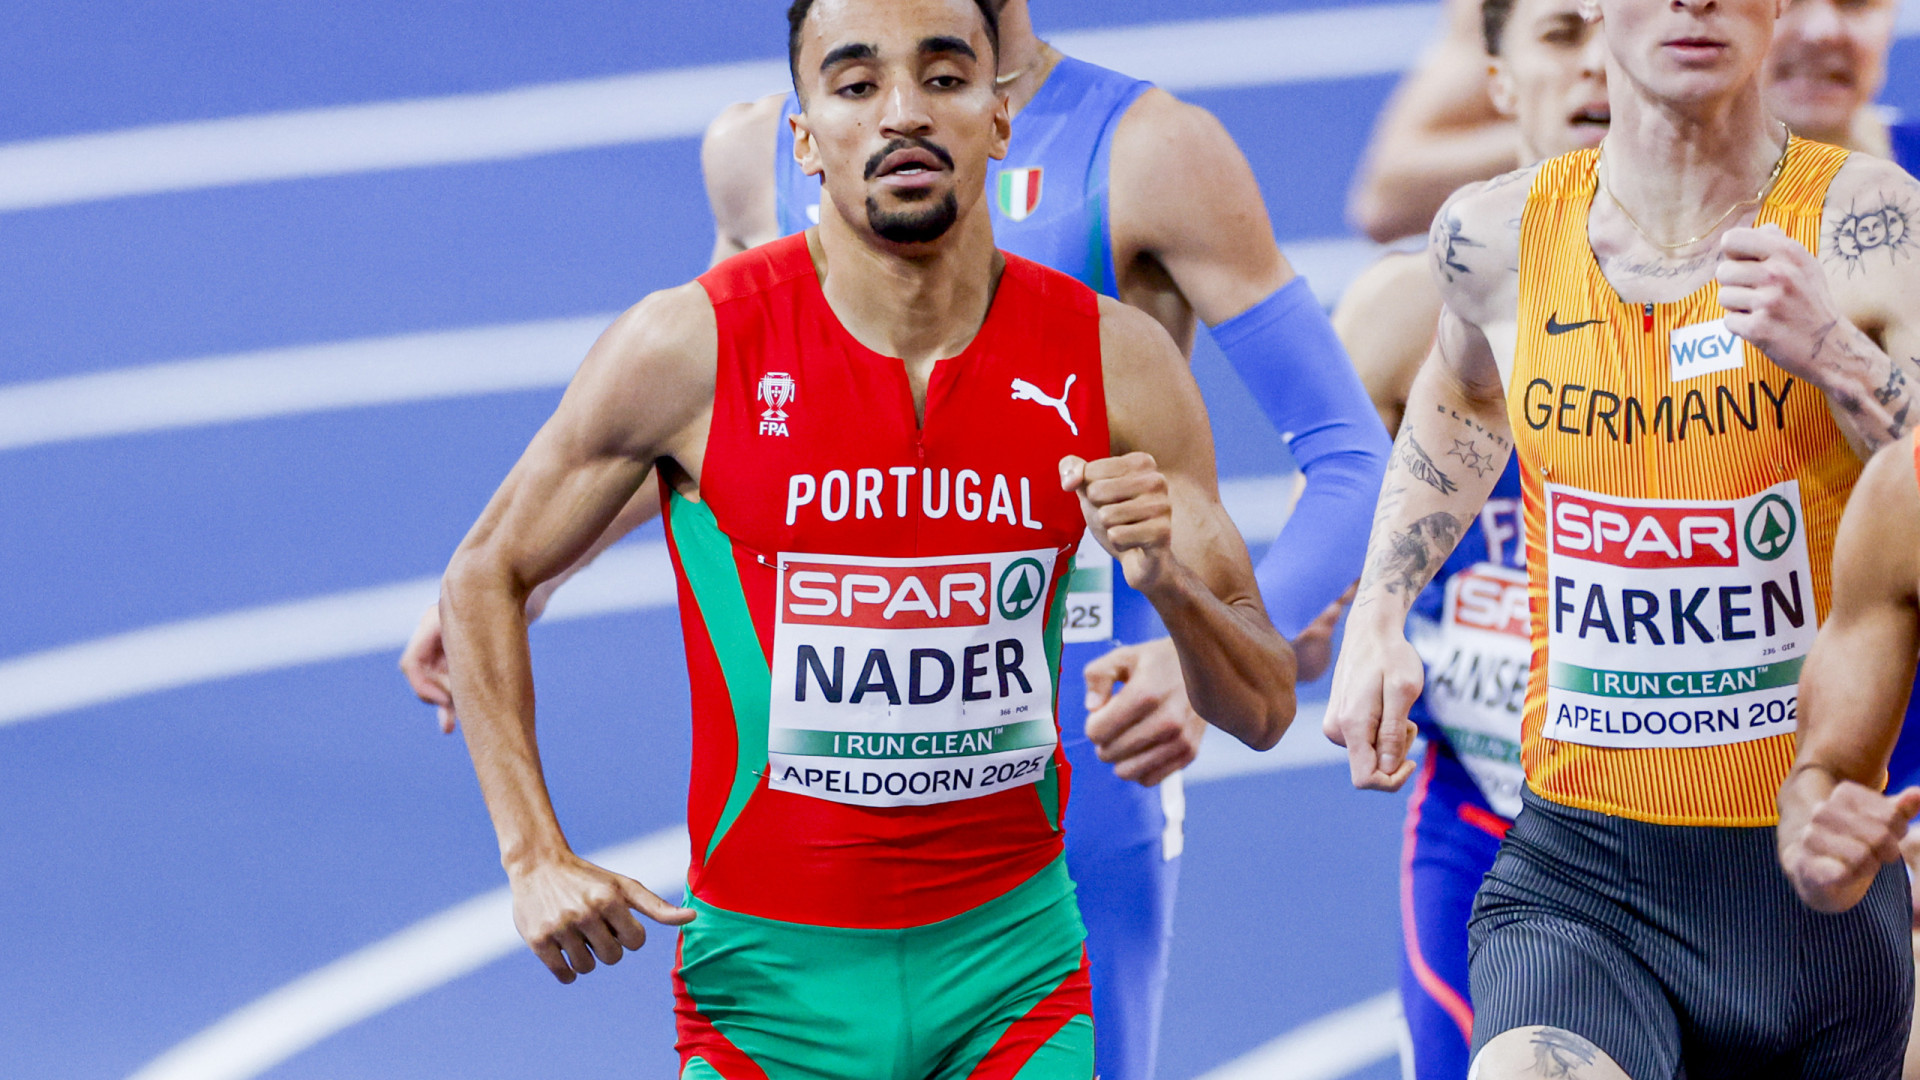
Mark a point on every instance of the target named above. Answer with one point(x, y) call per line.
point(1285, 351)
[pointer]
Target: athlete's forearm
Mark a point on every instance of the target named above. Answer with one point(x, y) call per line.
point(1239, 671)
point(642, 508)
point(1872, 393)
point(1446, 460)
point(1286, 353)
point(484, 621)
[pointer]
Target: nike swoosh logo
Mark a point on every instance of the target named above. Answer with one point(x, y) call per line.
point(1555, 326)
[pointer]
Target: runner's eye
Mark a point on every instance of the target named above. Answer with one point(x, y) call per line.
point(947, 82)
point(857, 90)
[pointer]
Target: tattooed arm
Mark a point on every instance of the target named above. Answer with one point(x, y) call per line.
point(1452, 444)
point(1848, 322)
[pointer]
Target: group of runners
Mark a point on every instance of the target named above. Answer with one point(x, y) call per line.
point(959, 598)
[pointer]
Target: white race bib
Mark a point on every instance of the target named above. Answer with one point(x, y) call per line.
point(1675, 623)
point(1477, 659)
point(907, 682)
point(1090, 593)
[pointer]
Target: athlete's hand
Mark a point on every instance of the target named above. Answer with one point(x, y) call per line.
point(1313, 649)
point(1777, 297)
point(1849, 835)
point(424, 663)
point(571, 912)
point(1375, 684)
point(1126, 504)
point(1147, 730)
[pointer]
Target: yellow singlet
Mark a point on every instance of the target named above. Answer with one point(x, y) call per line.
point(1682, 493)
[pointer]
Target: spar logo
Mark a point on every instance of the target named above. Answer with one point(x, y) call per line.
point(1491, 598)
point(1771, 527)
point(1021, 586)
point(1654, 537)
point(891, 597)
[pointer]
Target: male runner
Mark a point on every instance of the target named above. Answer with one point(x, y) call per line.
point(1682, 486)
point(1548, 73)
point(1827, 63)
point(873, 582)
point(1837, 829)
point(1146, 199)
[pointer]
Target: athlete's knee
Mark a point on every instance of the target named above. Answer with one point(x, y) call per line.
point(1531, 1053)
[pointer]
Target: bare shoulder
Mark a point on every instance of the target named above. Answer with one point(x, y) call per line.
point(1870, 227)
point(1473, 246)
point(1386, 319)
point(1171, 158)
point(652, 371)
point(1152, 402)
point(736, 157)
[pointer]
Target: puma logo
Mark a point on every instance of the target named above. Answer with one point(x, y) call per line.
point(1026, 391)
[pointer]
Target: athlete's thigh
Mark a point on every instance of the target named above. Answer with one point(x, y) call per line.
point(1116, 852)
point(755, 997)
point(1862, 978)
point(1442, 865)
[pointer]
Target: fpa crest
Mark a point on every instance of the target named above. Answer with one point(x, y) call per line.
point(776, 389)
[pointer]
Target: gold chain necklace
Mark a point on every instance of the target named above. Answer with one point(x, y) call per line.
point(1759, 197)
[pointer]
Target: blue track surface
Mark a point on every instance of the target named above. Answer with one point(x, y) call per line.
point(173, 857)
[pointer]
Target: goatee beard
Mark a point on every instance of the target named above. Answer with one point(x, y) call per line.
point(918, 226)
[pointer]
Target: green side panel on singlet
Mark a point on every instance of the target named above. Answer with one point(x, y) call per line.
point(1048, 786)
point(706, 557)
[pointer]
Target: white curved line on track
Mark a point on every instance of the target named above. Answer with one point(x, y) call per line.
point(1338, 1044)
point(468, 936)
point(629, 577)
point(430, 953)
point(291, 381)
point(432, 366)
point(1204, 54)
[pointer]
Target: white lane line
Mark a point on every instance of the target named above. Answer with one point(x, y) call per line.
point(301, 379)
point(629, 577)
point(1338, 1044)
point(430, 953)
point(431, 366)
point(1201, 54)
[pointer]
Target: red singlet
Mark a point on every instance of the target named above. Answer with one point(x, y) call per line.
point(872, 607)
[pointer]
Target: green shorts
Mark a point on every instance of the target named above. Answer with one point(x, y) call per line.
point(996, 993)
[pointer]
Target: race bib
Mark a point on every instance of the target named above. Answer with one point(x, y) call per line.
point(1675, 623)
point(1477, 659)
point(1090, 593)
point(908, 682)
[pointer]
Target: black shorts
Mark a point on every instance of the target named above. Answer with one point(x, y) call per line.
point(1682, 951)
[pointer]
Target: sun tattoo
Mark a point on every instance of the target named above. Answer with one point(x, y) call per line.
point(1885, 226)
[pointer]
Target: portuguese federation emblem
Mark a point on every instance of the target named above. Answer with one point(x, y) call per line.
point(1018, 193)
point(777, 390)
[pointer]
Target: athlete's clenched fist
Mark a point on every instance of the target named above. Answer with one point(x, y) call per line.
point(1777, 297)
point(1127, 506)
point(570, 912)
point(1852, 832)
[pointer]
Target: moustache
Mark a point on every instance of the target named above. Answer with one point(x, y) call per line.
point(939, 152)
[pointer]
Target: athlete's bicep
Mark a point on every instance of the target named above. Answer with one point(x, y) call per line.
point(1154, 406)
point(641, 394)
point(1855, 683)
point(1181, 192)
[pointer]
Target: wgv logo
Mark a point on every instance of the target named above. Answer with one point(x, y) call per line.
point(1704, 348)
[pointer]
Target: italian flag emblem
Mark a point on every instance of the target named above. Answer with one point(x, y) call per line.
point(1019, 192)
